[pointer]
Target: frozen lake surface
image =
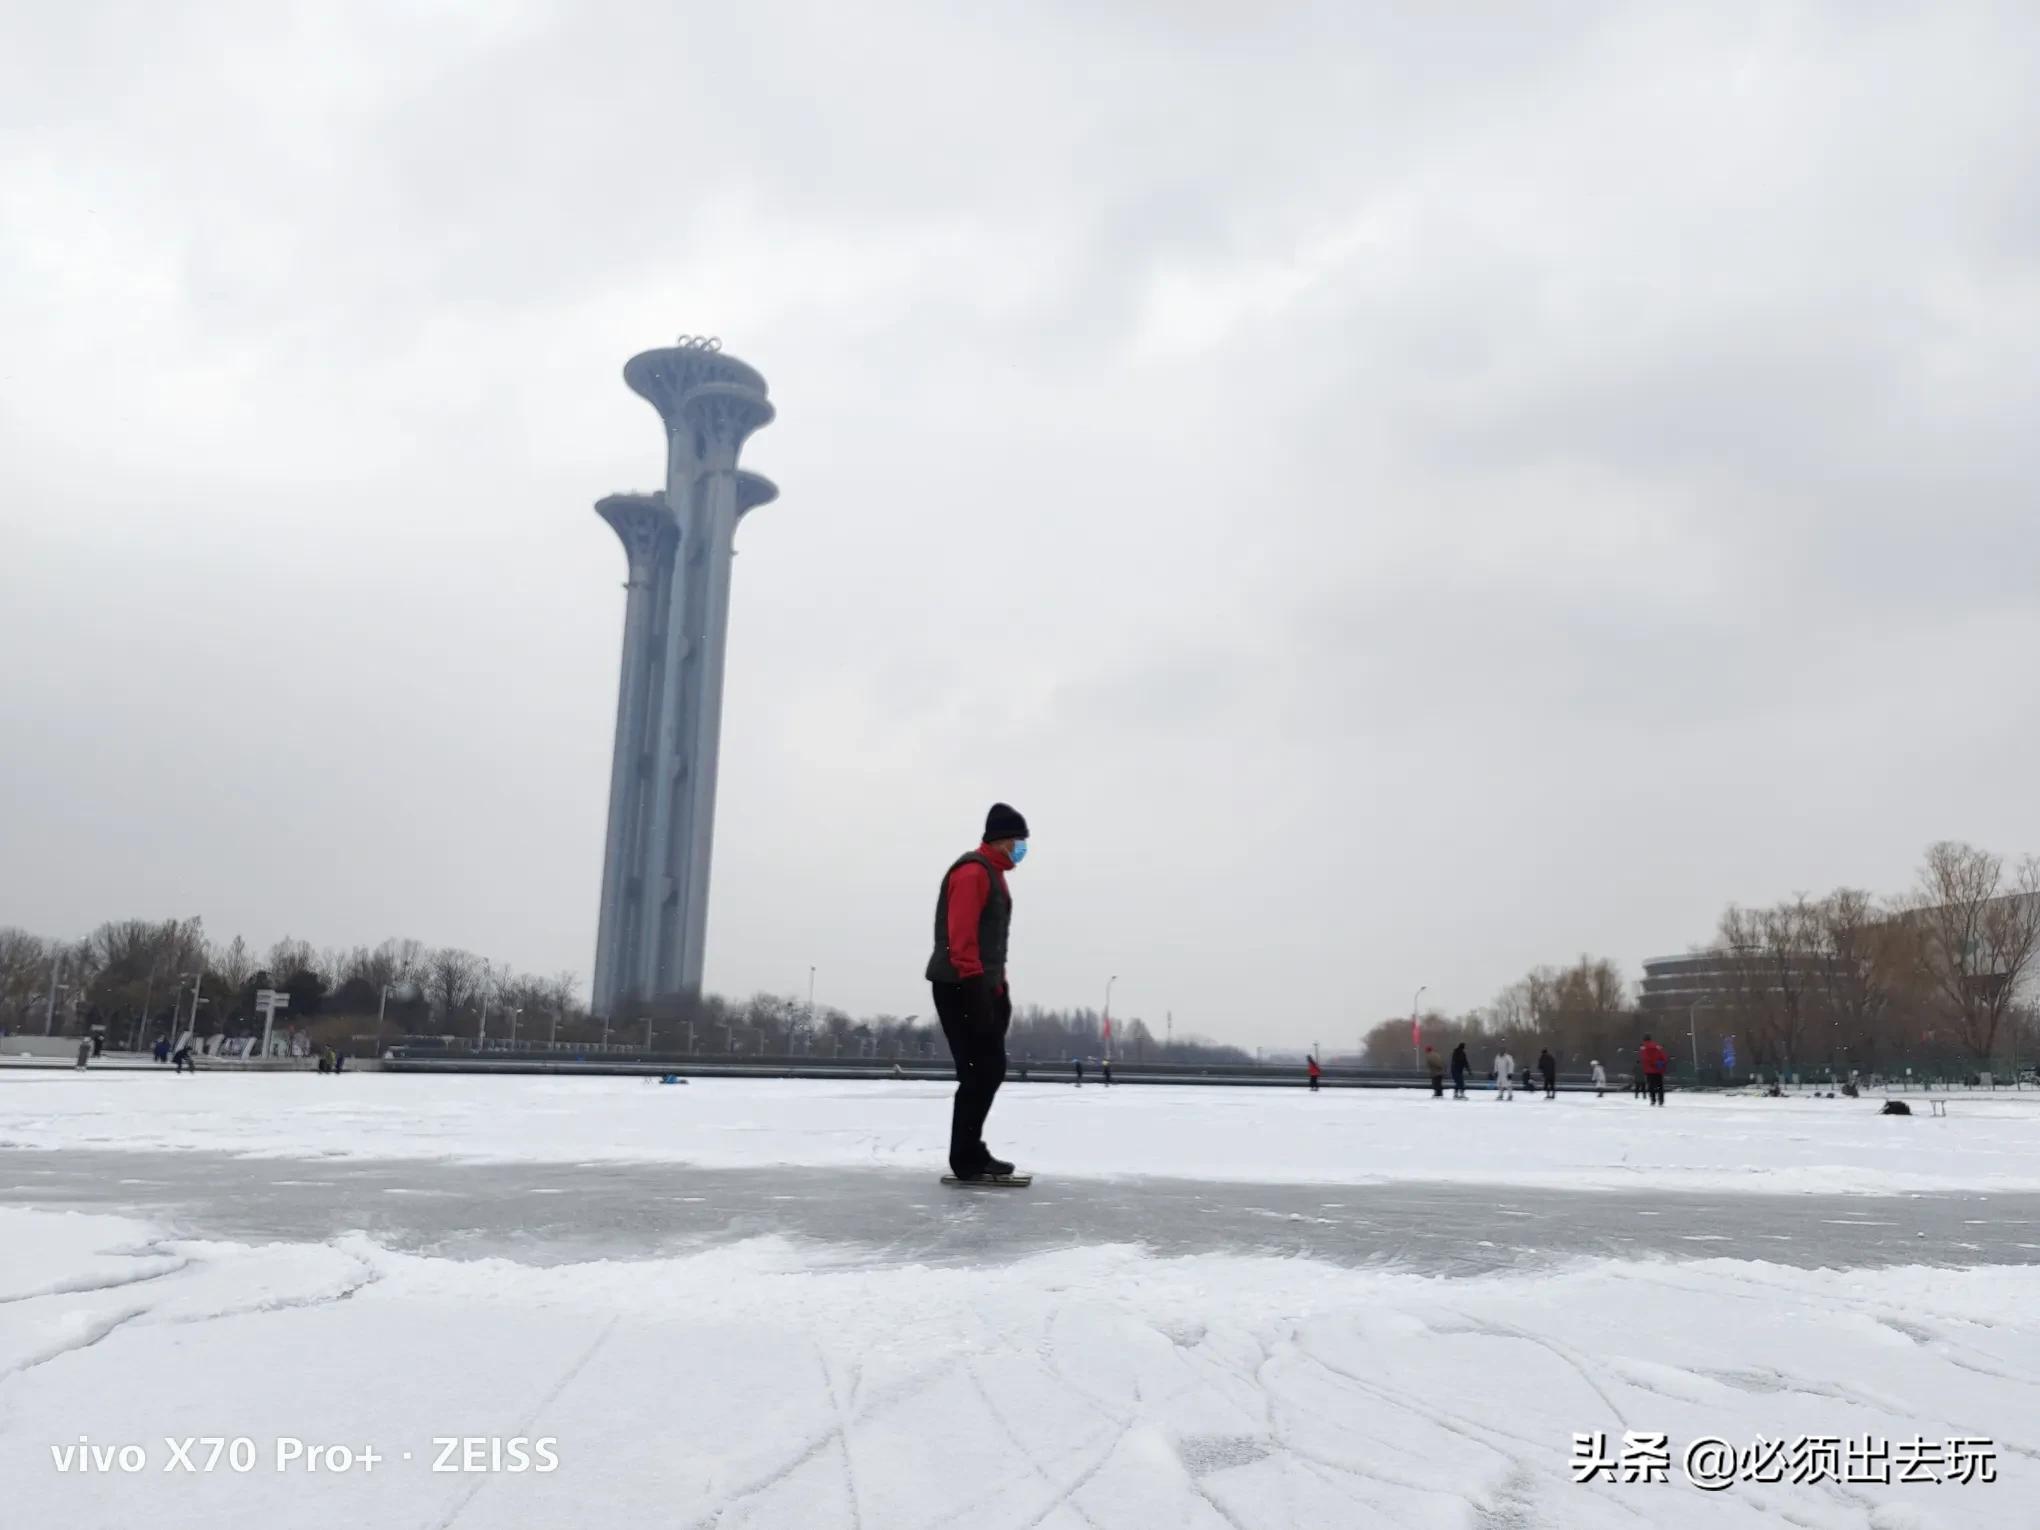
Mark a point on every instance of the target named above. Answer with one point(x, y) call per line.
point(749, 1304)
point(557, 1213)
point(1266, 1136)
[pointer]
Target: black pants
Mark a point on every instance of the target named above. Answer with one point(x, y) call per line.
point(1458, 1085)
point(1550, 1086)
point(980, 1057)
point(1656, 1084)
point(1437, 1086)
point(1313, 1083)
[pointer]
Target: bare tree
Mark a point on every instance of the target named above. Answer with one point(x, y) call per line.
point(1862, 955)
point(1786, 941)
point(1510, 1013)
point(1743, 993)
point(290, 956)
point(397, 960)
point(24, 973)
point(1979, 933)
point(130, 965)
point(1386, 1044)
point(233, 964)
point(450, 979)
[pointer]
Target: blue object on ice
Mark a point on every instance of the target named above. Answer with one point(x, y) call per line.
point(672, 1078)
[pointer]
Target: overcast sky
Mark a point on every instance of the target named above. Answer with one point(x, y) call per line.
point(1393, 499)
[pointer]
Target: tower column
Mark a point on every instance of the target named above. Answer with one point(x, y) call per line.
point(669, 708)
point(645, 527)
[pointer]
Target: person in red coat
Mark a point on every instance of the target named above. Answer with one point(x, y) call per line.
point(1652, 1060)
point(973, 918)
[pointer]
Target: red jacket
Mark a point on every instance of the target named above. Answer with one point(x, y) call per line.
point(969, 886)
point(1652, 1057)
point(1314, 1070)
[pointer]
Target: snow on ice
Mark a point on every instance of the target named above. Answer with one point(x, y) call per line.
point(774, 1382)
point(1269, 1136)
point(763, 1385)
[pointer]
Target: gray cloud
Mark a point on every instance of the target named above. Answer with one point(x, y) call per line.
point(1394, 498)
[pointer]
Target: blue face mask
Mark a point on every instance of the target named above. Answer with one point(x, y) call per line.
point(1019, 851)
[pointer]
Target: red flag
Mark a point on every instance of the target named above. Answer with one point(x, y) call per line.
point(1108, 1027)
point(1416, 1031)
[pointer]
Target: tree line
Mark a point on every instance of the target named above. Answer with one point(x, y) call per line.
point(1939, 978)
point(140, 980)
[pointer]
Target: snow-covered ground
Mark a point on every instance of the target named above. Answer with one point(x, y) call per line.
point(809, 1384)
point(761, 1385)
point(1698, 1142)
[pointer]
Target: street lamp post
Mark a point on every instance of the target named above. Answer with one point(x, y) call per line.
point(148, 993)
point(381, 1009)
point(177, 1006)
point(513, 1024)
point(1693, 1033)
point(1416, 1046)
point(482, 1026)
point(1108, 1012)
point(49, 1018)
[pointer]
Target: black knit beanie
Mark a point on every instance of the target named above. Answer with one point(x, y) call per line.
point(1003, 823)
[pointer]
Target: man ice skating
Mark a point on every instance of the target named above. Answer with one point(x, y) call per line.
point(1311, 1067)
point(1548, 1066)
point(973, 916)
point(1505, 1075)
point(1600, 1079)
point(1653, 1060)
point(1437, 1066)
point(1460, 1068)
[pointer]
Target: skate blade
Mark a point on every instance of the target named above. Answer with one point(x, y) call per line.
point(991, 1181)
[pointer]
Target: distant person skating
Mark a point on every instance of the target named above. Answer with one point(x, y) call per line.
point(182, 1059)
point(1437, 1066)
point(1077, 1064)
point(1505, 1075)
point(1636, 1084)
point(1460, 1068)
point(973, 918)
point(1600, 1079)
point(1311, 1067)
point(339, 1061)
point(84, 1053)
point(1548, 1066)
point(1652, 1060)
point(1105, 1067)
